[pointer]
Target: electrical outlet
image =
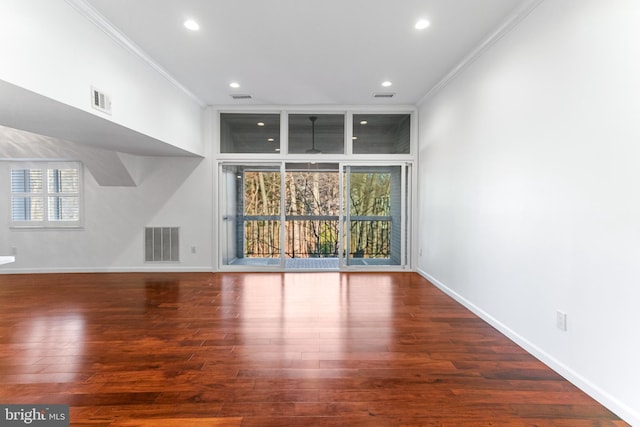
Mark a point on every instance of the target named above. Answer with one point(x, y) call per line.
point(561, 320)
point(193, 249)
point(420, 251)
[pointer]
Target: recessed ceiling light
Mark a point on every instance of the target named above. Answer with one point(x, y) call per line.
point(363, 122)
point(260, 124)
point(234, 85)
point(270, 139)
point(422, 24)
point(387, 83)
point(192, 25)
point(277, 149)
point(354, 138)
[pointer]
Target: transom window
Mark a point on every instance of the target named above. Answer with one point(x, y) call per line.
point(315, 134)
point(381, 133)
point(46, 195)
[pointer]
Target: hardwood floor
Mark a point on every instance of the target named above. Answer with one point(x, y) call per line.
point(324, 349)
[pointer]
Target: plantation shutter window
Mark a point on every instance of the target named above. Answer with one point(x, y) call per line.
point(27, 199)
point(63, 194)
point(46, 195)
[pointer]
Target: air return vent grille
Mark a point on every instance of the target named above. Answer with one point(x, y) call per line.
point(100, 100)
point(384, 94)
point(238, 96)
point(161, 244)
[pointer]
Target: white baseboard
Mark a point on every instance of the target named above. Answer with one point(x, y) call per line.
point(154, 269)
point(630, 415)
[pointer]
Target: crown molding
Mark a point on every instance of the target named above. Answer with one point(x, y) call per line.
point(508, 25)
point(90, 13)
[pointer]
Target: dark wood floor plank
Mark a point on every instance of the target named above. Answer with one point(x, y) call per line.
point(259, 349)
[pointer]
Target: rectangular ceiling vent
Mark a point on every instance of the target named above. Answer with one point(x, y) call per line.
point(161, 244)
point(100, 100)
point(384, 94)
point(238, 96)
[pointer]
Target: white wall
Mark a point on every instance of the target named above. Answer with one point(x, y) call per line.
point(168, 191)
point(529, 191)
point(49, 48)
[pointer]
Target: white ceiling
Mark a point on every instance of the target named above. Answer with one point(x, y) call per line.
point(307, 51)
point(282, 52)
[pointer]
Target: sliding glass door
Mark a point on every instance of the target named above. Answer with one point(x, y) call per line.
point(251, 215)
point(312, 221)
point(308, 215)
point(375, 215)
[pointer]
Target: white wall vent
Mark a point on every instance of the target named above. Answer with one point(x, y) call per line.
point(384, 94)
point(100, 100)
point(161, 244)
point(238, 96)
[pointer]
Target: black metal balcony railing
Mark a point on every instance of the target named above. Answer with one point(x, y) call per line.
point(311, 236)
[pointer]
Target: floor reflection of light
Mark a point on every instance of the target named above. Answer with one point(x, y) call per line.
point(56, 342)
point(314, 316)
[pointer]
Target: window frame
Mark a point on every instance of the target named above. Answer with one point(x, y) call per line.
point(45, 194)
